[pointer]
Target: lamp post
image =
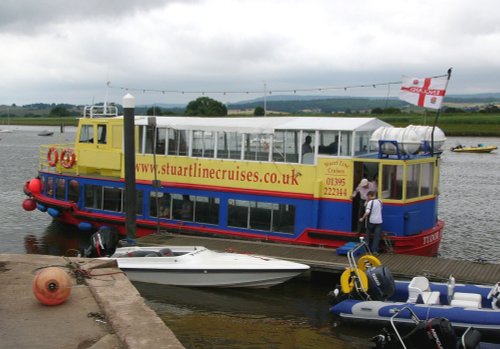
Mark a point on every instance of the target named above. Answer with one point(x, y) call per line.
point(129, 149)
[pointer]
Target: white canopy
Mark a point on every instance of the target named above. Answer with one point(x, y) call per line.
point(266, 125)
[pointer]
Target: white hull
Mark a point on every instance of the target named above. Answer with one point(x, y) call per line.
point(197, 266)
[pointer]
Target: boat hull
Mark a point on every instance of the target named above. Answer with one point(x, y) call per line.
point(200, 267)
point(485, 149)
point(211, 278)
point(424, 243)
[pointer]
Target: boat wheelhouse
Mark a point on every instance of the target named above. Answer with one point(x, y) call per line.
point(247, 177)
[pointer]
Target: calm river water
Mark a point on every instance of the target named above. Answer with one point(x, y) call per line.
point(292, 315)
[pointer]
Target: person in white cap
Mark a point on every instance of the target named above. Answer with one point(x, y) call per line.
point(362, 189)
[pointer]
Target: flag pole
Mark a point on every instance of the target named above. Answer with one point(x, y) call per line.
point(439, 112)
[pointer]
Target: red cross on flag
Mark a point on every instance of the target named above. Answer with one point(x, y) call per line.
point(426, 92)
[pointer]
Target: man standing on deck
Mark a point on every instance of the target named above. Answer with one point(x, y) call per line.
point(373, 216)
point(362, 189)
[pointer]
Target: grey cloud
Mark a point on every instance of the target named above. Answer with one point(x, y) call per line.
point(27, 16)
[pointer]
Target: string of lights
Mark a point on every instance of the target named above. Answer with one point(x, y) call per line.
point(260, 92)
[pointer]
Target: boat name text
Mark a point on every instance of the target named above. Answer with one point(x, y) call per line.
point(237, 174)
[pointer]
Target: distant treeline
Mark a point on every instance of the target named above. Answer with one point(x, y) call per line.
point(324, 106)
point(302, 106)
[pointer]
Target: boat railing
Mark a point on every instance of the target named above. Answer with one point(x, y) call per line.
point(100, 111)
point(397, 312)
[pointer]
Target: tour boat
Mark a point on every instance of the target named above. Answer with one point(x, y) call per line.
point(246, 177)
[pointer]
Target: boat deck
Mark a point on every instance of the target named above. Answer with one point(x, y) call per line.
point(326, 259)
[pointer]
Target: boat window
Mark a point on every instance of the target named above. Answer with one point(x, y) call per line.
point(419, 180)
point(161, 200)
point(43, 181)
point(73, 190)
point(427, 179)
point(329, 142)
point(362, 143)
point(139, 202)
point(93, 196)
point(206, 210)
point(256, 146)
point(284, 219)
point(308, 147)
point(177, 142)
point(345, 143)
point(392, 182)
point(102, 137)
point(161, 140)
point(286, 146)
point(60, 189)
point(238, 213)
point(182, 207)
point(87, 134)
point(112, 200)
point(265, 216)
point(147, 144)
point(49, 186)
point(228, 145)
point(203, 144)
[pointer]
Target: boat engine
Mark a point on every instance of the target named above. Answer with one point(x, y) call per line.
point(381, 284)
point(433, 333)
point(103, 243)
point(494, 295)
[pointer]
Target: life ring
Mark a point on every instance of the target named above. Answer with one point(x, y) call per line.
point(368, 260)
point(347, 281)
point(68, 158)
point(52, 156)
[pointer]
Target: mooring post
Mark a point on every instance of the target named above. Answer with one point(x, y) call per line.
point(129, 148)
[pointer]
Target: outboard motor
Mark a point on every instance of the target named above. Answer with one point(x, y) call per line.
point(102, 243)
point(433, 333)
point(381, 283)
point(494, 295)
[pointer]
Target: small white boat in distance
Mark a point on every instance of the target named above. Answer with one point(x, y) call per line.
point(197, 266)
point(45, 133)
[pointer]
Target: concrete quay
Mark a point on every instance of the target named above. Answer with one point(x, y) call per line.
point(105, 311)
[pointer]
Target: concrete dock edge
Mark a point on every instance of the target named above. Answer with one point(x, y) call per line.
point(103, 311)
point(137, 325)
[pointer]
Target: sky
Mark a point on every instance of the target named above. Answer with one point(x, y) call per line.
point(168, 51)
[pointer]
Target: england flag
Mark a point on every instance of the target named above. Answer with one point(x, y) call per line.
point(424, 92)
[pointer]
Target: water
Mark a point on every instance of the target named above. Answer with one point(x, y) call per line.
point(292, 315)
point(470, 202)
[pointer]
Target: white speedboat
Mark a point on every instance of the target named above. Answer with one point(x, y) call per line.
point(200, 267)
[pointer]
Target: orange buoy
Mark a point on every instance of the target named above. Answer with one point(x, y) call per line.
point(51, 286)
point(29, 204)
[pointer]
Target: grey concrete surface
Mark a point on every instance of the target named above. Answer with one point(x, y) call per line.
point(104, 312)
